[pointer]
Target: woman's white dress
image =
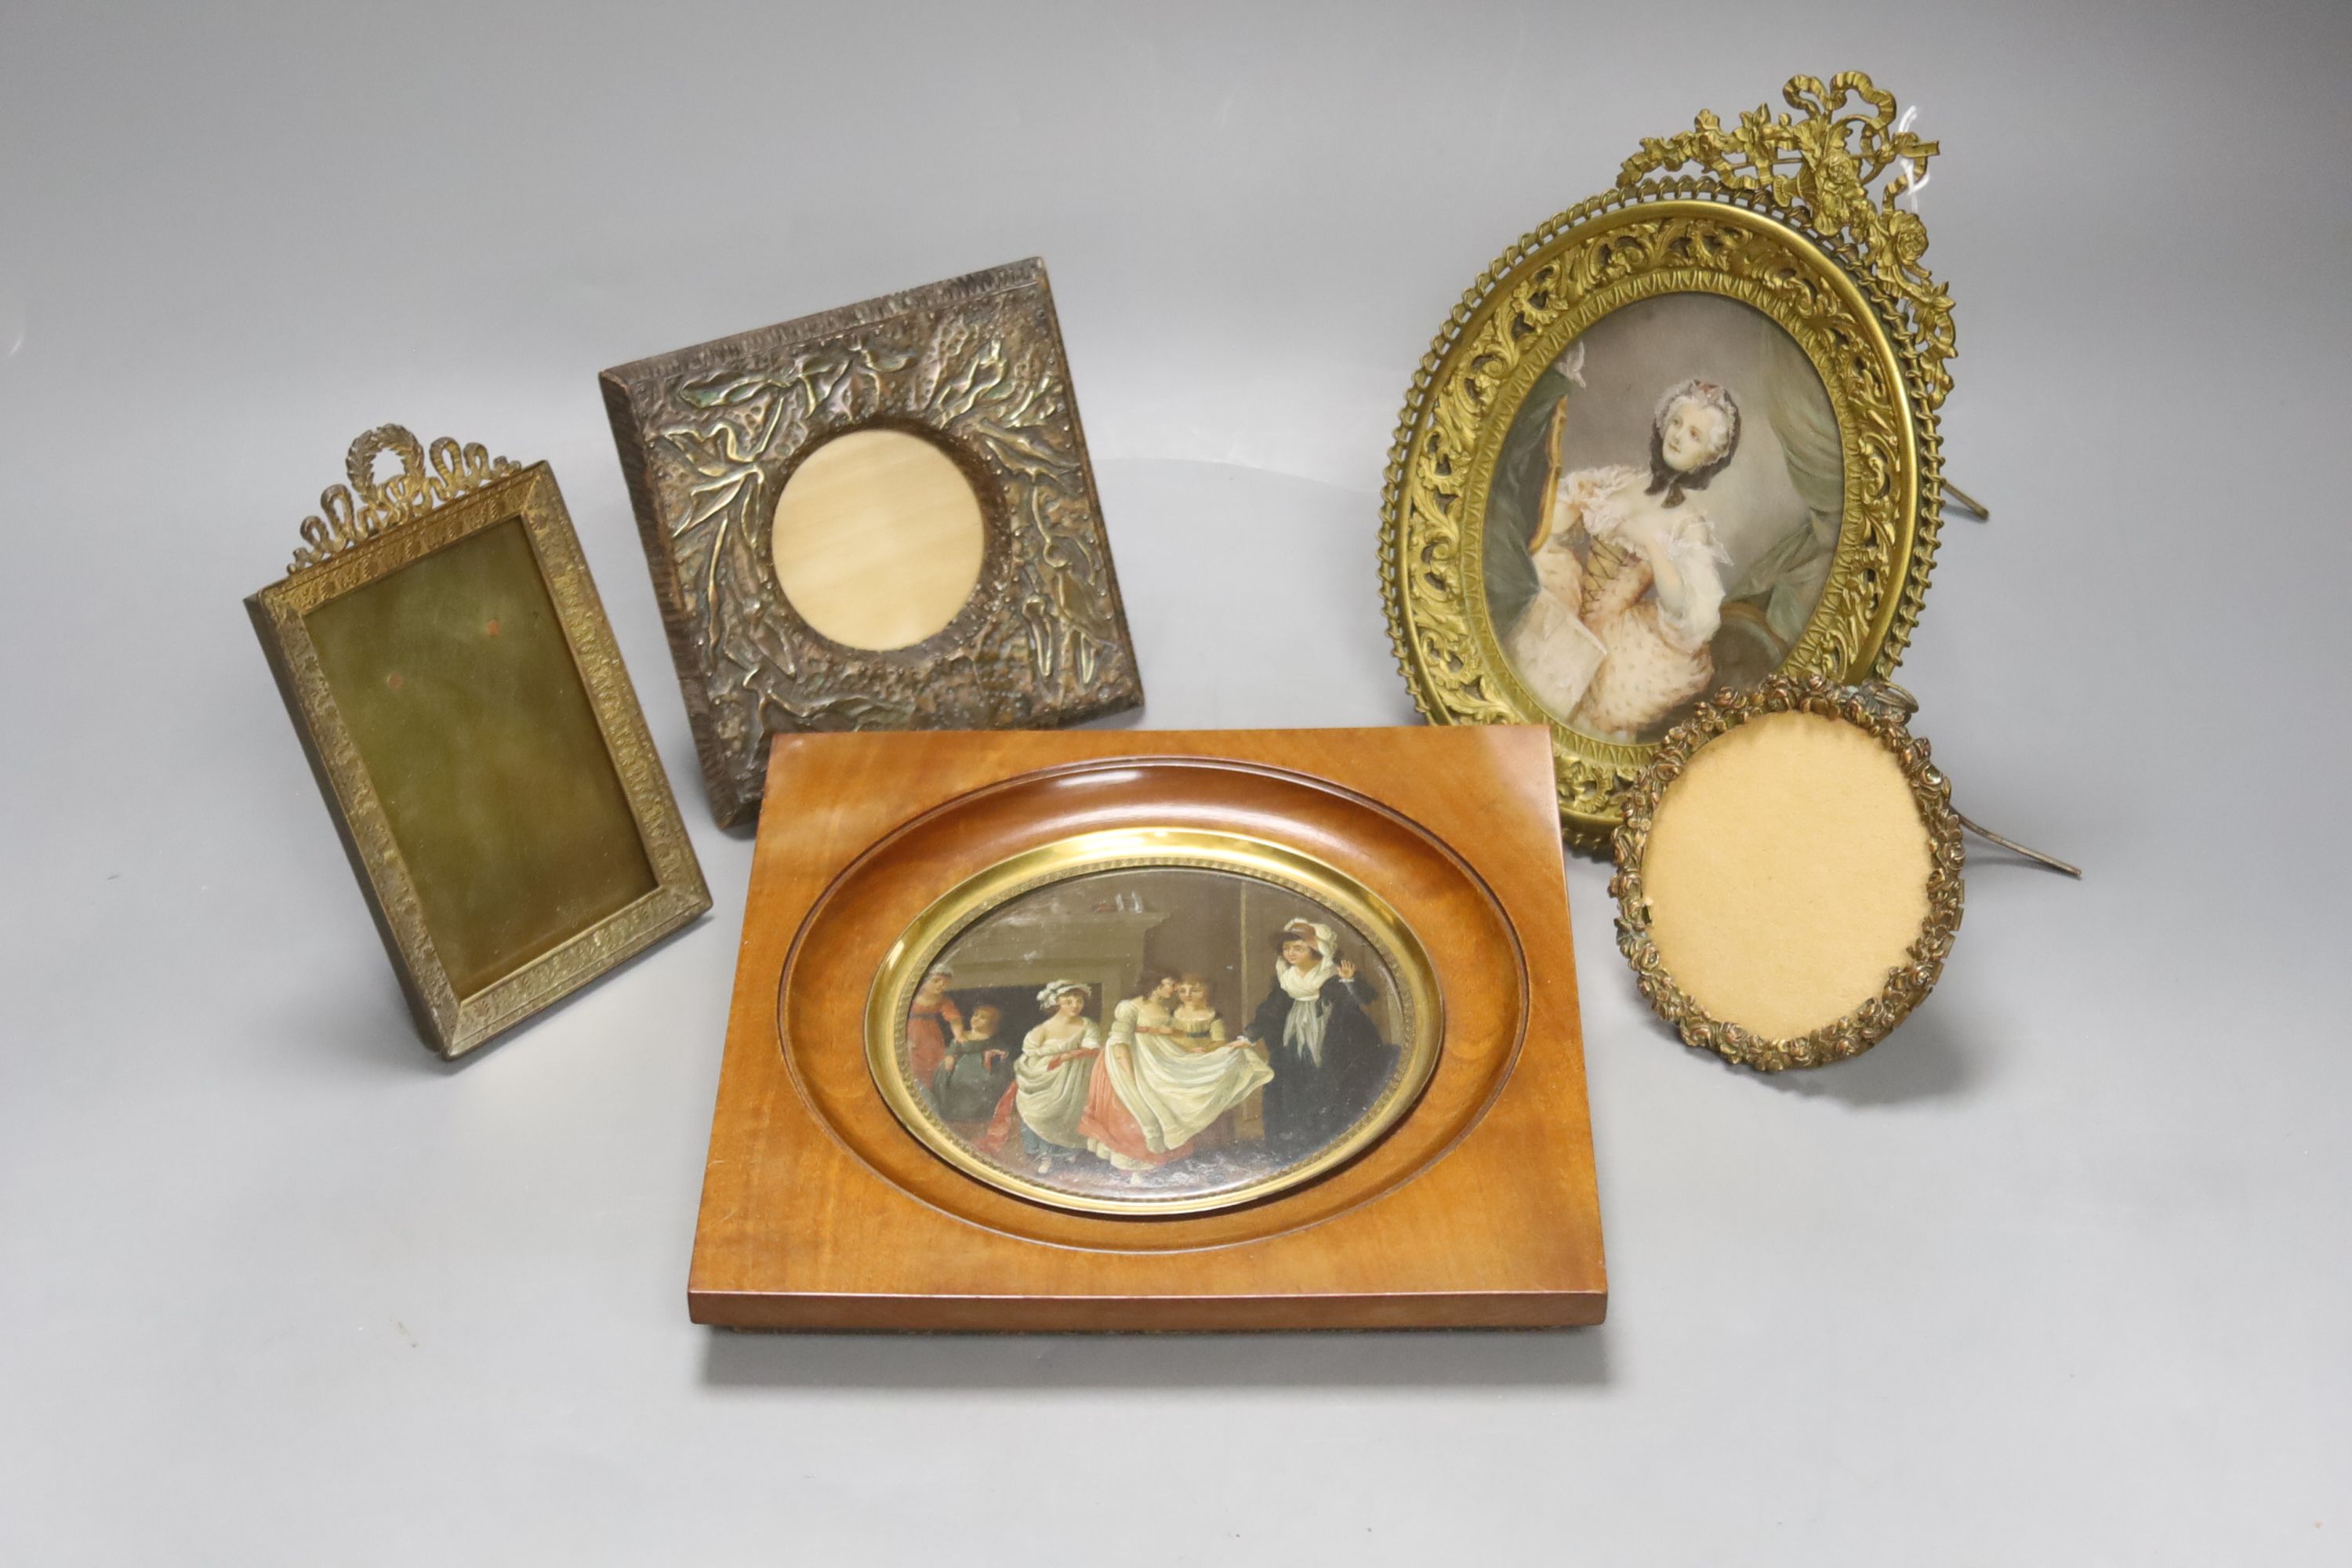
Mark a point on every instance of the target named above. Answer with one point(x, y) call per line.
point(1050, 1083)
point(1603, 643)
point(1173, 1088)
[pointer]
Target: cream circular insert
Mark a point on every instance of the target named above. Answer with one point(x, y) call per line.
point(1786, 873)
point(878, 539)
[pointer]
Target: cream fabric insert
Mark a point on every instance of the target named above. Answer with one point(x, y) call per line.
point(879, 539)
point(1787, 871)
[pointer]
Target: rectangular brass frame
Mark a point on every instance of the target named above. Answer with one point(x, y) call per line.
point(708, 437)
point(453, 1024)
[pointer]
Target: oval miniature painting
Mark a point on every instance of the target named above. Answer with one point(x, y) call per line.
point(1663, 514)
point(1158, 1036)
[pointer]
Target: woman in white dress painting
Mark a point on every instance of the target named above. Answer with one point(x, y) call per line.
point(1136, 1098)
point(1157, 1086)
point(1051, 1082)
point(1630, 587)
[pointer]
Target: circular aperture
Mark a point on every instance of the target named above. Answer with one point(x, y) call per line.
point(1786, 872)
point(879, 539)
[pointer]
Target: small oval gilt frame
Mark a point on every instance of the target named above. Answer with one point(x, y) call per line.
point(1798, 216)
point(1880, 710)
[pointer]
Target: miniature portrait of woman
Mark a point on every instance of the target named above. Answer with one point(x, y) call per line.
point(1198, 1023)
point(1194, 1019)
point(1625, 590)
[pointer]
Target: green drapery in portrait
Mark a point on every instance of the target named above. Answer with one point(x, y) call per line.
point(1767, 605)
point(1785, 582)
point(1515, 501)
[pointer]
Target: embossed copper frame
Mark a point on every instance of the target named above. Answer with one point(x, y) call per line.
point(357, 541)
point(1880, 710)
point(1371, 917)
point(709, 436)
point(1797, 216)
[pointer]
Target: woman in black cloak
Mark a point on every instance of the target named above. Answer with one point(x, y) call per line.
point(1328, 1059)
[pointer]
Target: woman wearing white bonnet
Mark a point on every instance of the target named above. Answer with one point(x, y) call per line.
point(1050, 1082)
point(1328, 1059)
point(1629, 569)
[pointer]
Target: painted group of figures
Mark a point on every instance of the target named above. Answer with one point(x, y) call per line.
point(1164, 1079)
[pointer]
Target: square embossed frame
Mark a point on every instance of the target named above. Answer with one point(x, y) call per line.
point(710, 435)
point(821, 1210)
point(446, 663)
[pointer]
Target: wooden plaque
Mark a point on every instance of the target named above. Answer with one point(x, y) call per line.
point(838, 1196)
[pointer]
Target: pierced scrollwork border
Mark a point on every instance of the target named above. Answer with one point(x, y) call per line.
point(1795, 215)
point(1880, 712)
point(710, 436)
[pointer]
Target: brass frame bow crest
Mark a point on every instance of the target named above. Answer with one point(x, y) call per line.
point(349, 515)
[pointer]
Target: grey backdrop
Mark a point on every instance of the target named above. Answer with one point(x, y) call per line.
point(2059, 1274)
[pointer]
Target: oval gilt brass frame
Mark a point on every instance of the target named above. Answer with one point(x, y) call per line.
point(972, 900)
point(1879, 710)
point(1781, 215)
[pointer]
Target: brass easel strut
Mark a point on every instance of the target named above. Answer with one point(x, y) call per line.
point(1886, 694)
point(2036, 856)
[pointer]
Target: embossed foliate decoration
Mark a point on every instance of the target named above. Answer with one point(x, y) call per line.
point(709, 437)
point(1878, 710)
point(1795, 215)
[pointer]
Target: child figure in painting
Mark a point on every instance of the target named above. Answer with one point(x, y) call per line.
point(1196, 1022)
point(1051, 1081)
point(1199, 1025)
point(1631, 586)
point(977, 1072)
